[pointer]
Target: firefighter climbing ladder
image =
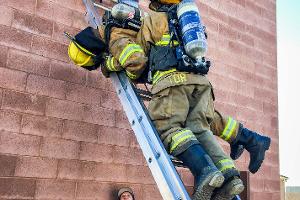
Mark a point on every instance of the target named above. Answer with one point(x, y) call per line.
point(161, 167)
point(158, 160)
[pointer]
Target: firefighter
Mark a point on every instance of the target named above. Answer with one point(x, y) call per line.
point(128, 55)
point(182, 110)
point(125, 194)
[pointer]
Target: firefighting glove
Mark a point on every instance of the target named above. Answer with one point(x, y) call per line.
point(105, 71)
point(110, 65)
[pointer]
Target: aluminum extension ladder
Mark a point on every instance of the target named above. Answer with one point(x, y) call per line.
point(158, 160)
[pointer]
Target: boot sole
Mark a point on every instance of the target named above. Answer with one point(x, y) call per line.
point(205, 190)
point(229, 190)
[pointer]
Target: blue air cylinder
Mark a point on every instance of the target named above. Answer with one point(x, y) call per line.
point(192, 30)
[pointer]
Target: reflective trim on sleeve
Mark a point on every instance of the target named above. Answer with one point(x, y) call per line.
point(110, 64)
point(225, 164)
point(131, 75)
point(230, 127)
point(180, 137)
point(128, 51)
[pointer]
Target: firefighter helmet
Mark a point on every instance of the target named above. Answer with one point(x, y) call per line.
point(86, 49)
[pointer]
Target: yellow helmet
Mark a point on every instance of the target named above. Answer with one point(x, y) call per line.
point(79, 55)
point(87, 49)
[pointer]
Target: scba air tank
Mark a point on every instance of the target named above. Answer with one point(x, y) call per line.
point(192, 30)
point(123, 11)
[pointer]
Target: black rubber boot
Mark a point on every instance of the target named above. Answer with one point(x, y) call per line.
point(232, 186)
point(236, 150)
point(206, 175)
point(255, 144)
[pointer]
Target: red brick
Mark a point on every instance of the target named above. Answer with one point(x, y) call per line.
point(240, 2)
point(272, 185)
point(16, 188)
point(96, 152)
point(7, 15)
point(62, 14)
point(58, 32)
point(113, 136)
point(15, 38)
point(261, 195)
point(44, 8)
point(74, 169)
point(80, 112)
point(186, 176)
point(41, 85)
point(217, 16)
point(110, 100)
point(139, 174)
point(84, 94)
point(67, 72)
point(27, 62)
point(245, 89)
point(211, 26)
point(256, 10)
point(265, 95)
point(218, 82)
point(49, 48)
point(270, 15)
point(80, 131)
point(3, 56)
point(151, 192)
point(26, 5)
point(24, 102)
point(276, 196)
point(128, 155)
point(42, 126)
point(59, 148)
point(8, 165)
point(69, 169)
point(55, 189)
point(12, 79)
point(228, 7)
point(31, 24)
point(97, 80)
point(111, 172)
point(78, 20)
point(72, 4)
point(133, 140)
point(36, 167)
point(19, 144)
point(10, 121)
point(227, 32)
point(246, 39)
point(92, 190)
point(121, 120)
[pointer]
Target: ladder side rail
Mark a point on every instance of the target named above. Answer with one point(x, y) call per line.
point(162, 169)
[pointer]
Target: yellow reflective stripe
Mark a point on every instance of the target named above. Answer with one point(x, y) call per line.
point(128, 51)
point(131, 75)
point(181, 137)
point(110, 64)
point(225, 164)
point(165, 40)
point(230, 126)
point(160, 74)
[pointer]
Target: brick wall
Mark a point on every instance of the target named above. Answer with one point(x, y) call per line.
point(59, 136)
